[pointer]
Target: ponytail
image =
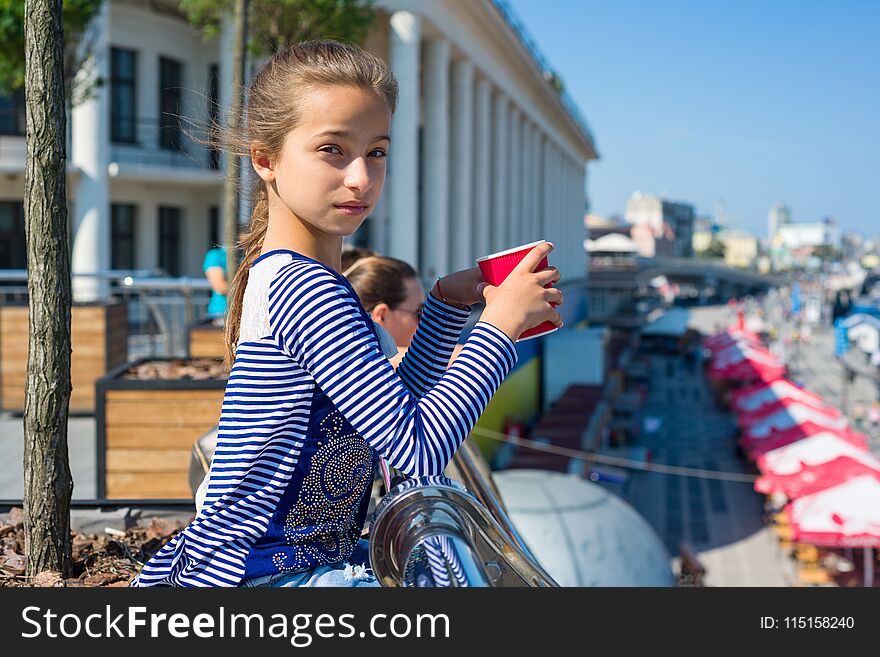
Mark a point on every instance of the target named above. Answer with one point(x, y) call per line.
point(251, 243)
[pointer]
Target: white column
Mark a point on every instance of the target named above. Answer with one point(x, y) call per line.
point(462, 203)
point(528, 215)
point(91, 225)
point(378, 225)
point(482, 235)
point(500, 172)
point(546, 190)
point(434, 253)
point(514, 213)
point(403, 161)
point(539, 183)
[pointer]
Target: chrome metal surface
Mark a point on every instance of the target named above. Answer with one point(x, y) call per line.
point(430, 531)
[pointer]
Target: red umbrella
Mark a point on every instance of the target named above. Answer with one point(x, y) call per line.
point(737, 352)
point(791, 416)
point(755, 397)
point(846, 515)
point(748, 419)
point(816, 477)
point(748, 371)
point(758, 447)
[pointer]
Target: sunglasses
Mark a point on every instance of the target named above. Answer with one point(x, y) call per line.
point(418, 312)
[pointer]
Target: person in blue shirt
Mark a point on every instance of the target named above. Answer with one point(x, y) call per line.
point(214, 267)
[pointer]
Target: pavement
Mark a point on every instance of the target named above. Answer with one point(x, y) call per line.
point(81, 452)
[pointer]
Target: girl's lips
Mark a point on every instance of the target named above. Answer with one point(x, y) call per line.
point(351, 210)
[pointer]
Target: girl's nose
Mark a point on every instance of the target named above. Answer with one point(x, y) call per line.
point(357, 175)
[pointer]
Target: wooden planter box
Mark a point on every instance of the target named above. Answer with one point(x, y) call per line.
point(99, 339)
point(206, 340)
point(146, 430)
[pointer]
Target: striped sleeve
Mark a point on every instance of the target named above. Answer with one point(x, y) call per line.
point(316, 321)
point(428, 355)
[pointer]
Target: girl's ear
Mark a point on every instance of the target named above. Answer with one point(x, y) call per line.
point(262, 165)
point(380, 313)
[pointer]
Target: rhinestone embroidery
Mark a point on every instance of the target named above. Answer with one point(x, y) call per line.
point(322, 521)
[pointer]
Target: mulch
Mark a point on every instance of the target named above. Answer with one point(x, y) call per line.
point(99, 560)
point(193, 369)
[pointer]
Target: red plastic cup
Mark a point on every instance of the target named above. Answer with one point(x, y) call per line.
point(496, 266)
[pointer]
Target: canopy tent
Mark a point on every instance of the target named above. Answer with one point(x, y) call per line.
point(736, 353)
point(747, 371)
point(754, 398)
point(846, 515)
point(817, 477)
point(612, 243)
point(813, 450)
point(751, 418)
point(728, 337)
point(789, 417)
point(758, 447)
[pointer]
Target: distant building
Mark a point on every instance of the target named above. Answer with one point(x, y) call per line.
point(740, 248)
point(661, 227)
point(798, 236)
point(779, 215)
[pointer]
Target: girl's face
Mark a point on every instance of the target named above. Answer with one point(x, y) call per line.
point(331, 168)
point(401, 322)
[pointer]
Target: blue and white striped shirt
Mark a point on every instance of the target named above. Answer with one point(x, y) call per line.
point(310, 403)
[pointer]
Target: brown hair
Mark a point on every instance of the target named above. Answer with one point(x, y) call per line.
point(379, 279)
point(352, 254)
point(273, 110)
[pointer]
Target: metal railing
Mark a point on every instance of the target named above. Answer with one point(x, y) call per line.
point(547, 71)
point(159, 142)
point(431, 532)
point(160, 308)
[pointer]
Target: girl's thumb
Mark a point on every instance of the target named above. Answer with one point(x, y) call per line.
point(481, 289)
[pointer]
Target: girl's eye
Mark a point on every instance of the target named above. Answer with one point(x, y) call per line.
point(378, 153)
point(333, 150)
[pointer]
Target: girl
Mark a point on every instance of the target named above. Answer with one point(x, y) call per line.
point(312, 401)
point(391, 293)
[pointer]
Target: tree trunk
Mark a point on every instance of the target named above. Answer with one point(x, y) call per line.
point(233, 175)
point(47, 481)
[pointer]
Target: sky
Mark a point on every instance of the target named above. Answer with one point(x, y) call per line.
point(731, 105)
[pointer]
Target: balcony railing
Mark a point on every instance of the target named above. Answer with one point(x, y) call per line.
point(142, 142)
point(515, 24)
point(167, 142)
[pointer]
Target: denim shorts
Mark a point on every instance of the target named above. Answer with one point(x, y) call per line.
point(353, 573)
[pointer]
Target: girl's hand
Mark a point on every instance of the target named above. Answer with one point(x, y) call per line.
point(522, 302)
point(460, 288)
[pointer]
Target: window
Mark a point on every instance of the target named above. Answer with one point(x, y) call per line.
point(213, 112)
point(213, 227)
point(170, 80)
point(169, 240)
point(12, 117)
point(122, 224)
point(123, 114)
point(13, 251)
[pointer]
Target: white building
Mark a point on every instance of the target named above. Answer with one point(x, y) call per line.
point(485, 153)
point(797, 236)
